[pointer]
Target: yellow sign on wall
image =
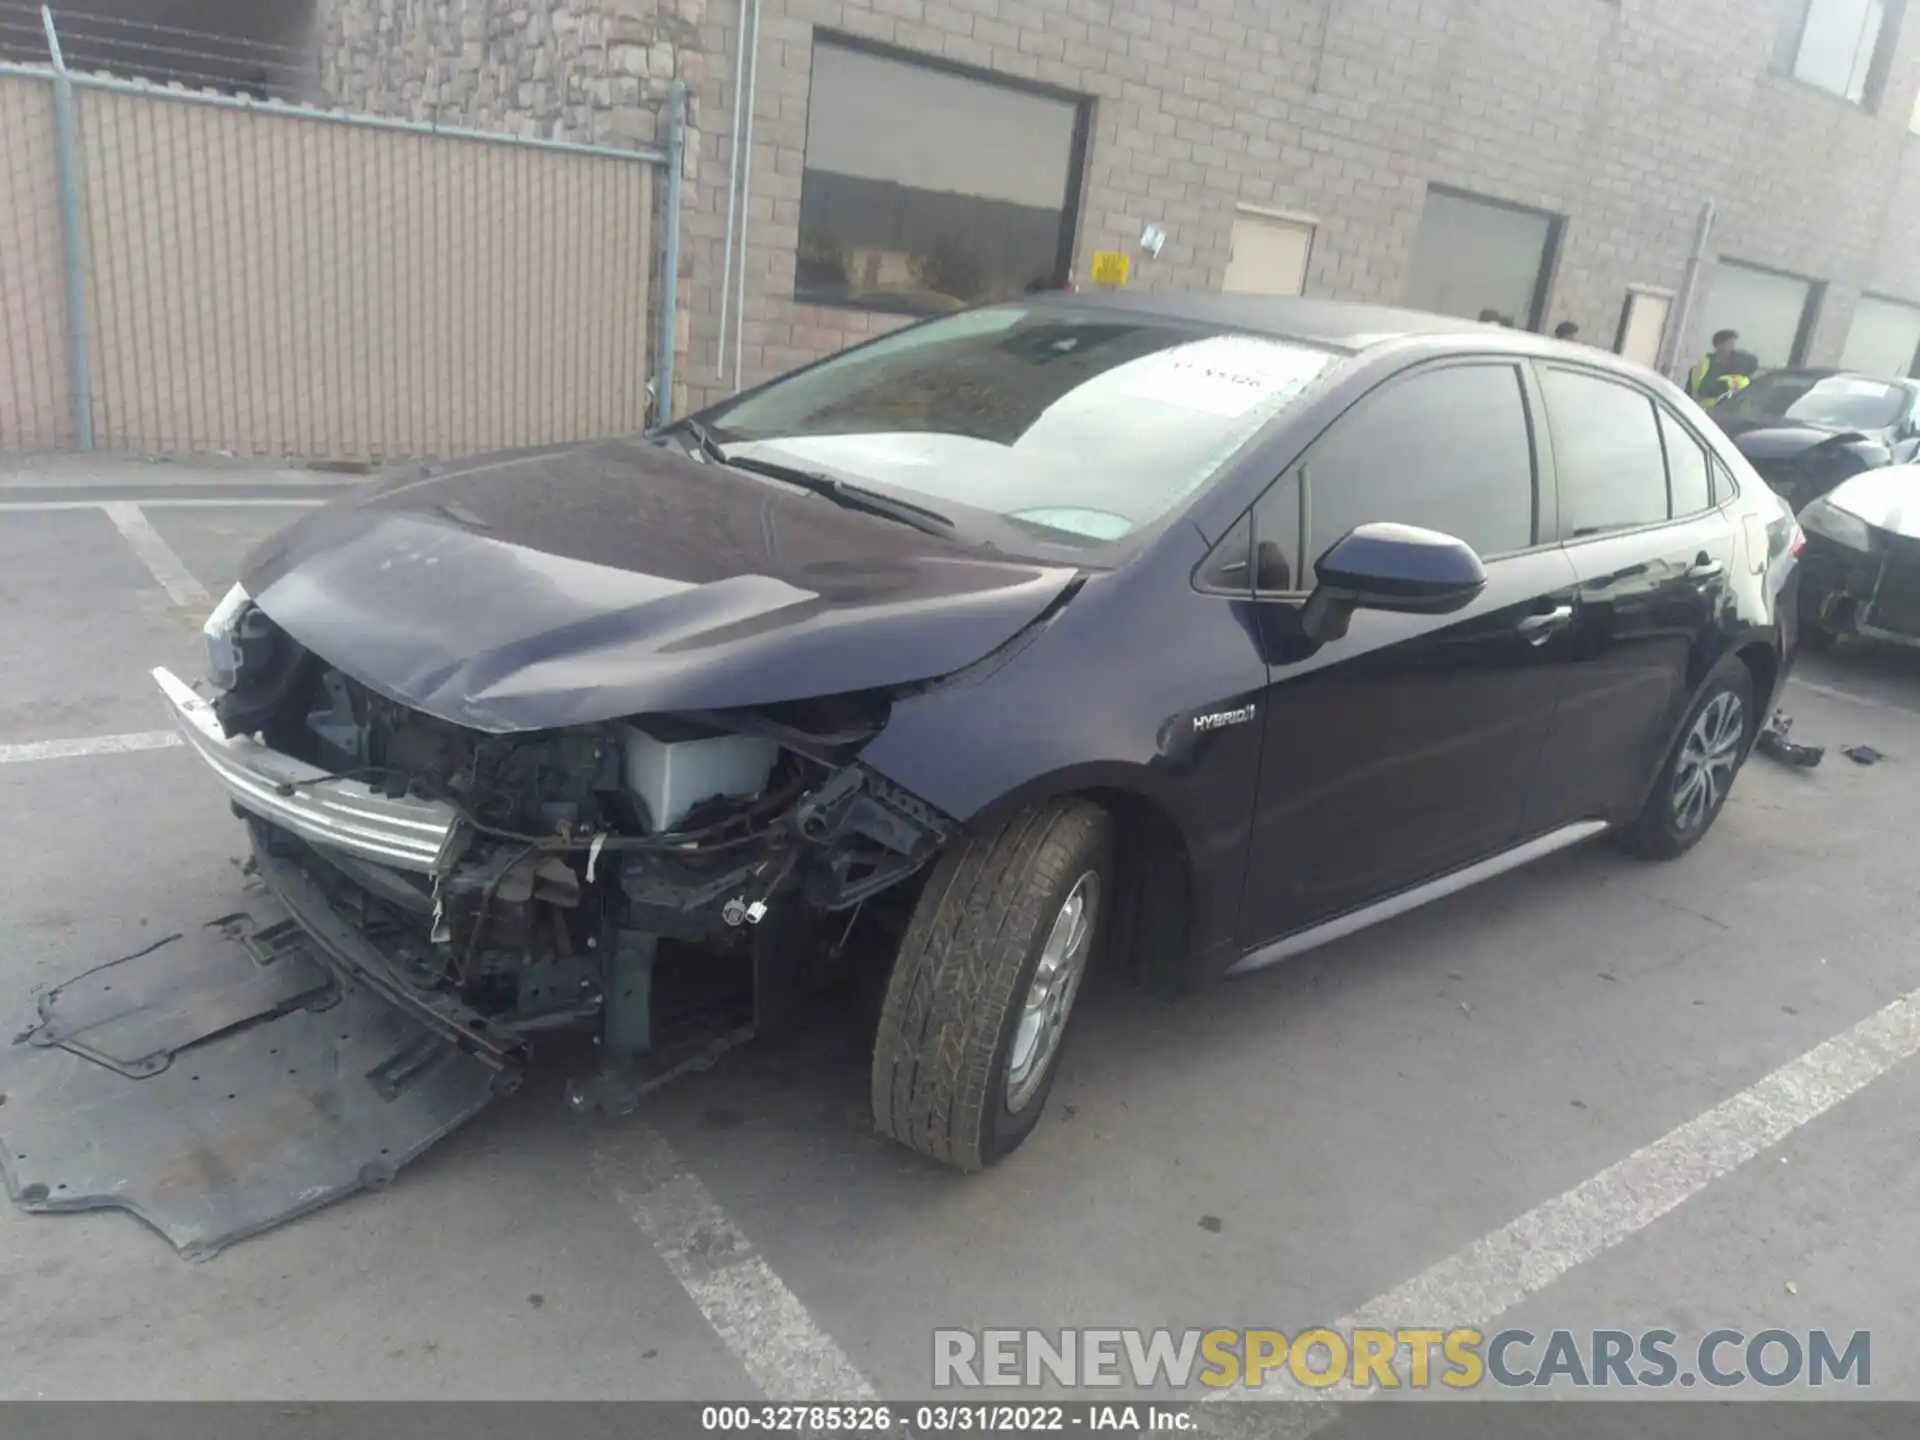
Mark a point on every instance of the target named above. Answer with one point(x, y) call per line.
point(1111, 267)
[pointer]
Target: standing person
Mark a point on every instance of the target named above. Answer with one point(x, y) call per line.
point(1722, 370)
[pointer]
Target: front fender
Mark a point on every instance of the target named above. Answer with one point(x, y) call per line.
point(1094, 701)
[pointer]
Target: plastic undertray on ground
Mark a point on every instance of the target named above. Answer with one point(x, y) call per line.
point(221, 1083)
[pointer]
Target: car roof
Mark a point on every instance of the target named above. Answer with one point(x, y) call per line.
point(1343, 324)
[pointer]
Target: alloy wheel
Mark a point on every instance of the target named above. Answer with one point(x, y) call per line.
point(1056, 981)
point(1708, 757)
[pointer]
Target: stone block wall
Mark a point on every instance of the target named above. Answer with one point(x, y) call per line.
point(1623, 116)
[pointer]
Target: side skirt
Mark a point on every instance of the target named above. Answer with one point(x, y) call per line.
point(1448, 884)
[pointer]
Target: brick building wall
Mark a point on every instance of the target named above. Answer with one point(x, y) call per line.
point(1622, 116)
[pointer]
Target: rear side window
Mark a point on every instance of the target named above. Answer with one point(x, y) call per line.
point(1724, 488)
point(1446, 449)
point(1690, 489)
point(1606, 452)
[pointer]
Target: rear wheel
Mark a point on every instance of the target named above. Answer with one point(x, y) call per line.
point(985, 982)
point(1693, 784)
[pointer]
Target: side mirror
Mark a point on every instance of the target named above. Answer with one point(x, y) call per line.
point(1397, 568)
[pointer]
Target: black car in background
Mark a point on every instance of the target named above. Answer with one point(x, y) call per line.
point(1807, 430)
point(1175, 634)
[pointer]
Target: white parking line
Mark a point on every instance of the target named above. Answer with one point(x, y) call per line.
point(189, 502)
point(783, 1350)
point(1833, 693)
point(161, 477)
point(1474, 1286)
point(168, 568)
point(88, 745)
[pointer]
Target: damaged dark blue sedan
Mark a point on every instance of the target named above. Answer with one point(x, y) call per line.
point(1171, 634)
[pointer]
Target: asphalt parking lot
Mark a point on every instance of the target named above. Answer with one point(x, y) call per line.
point(1544, 1102)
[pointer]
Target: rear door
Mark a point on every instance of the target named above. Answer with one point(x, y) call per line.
point(1405, 749)
point(1654, 552)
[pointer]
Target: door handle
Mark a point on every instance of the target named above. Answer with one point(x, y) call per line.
point(1538, 628)
point(1707, 570)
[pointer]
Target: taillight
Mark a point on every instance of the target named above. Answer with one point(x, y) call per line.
point(1799, 541)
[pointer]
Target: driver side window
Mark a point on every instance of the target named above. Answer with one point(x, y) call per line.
point(1447, 449)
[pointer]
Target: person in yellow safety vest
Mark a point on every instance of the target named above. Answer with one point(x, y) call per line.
point(1722, 370)
point(1721, 386)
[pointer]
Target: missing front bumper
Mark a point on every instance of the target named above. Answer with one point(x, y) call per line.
point(407, 832)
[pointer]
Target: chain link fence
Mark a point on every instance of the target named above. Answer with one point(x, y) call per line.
point(215, 270)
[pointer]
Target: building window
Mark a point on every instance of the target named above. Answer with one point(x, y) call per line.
point(259, 51)
point(1772, 312)
point(927, 188)
point(1832, 44)
point(1483, 259)
point(1884, 338)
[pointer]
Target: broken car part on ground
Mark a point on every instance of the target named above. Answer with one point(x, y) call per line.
point(1775, 744)
point(1177, 633)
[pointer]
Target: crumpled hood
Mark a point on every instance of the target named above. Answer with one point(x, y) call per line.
point(1768, 437)
point(568, 586)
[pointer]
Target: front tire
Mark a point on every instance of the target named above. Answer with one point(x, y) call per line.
point(984, 983)
point(1694, 782)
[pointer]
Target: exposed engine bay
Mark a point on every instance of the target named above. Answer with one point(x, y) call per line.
point(574, 853)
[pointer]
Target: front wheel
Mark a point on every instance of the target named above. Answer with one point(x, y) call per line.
point(985, 981)
point(1693, 784)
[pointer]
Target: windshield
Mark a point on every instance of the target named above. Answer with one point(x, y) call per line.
point(1084, 427)
point(1851, 402)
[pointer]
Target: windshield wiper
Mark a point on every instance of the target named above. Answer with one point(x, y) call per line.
point(704, 445)
point(849, 495)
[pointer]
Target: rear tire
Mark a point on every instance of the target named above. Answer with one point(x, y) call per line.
point(970, 1031)
point(1699, 771)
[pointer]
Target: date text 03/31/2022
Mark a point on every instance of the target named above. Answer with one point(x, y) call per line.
point(944, 1417)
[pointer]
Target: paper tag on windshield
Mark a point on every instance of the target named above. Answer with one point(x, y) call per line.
point(1227, 375)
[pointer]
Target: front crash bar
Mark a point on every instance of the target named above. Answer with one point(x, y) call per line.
point(405, 832)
